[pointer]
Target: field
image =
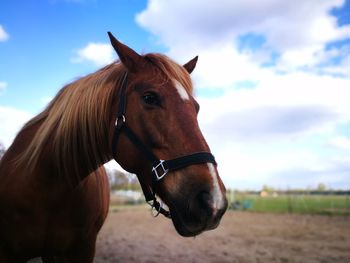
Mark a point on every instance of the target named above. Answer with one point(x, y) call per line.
point(301, 204)
point(133, 235)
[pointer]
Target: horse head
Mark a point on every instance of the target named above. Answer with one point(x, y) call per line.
point(161, 113)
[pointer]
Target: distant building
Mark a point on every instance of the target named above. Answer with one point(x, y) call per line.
point(264, 194)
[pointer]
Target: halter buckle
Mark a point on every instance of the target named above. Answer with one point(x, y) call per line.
point(159, 170)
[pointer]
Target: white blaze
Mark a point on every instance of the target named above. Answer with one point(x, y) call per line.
point(218, 197)
point(181, 90)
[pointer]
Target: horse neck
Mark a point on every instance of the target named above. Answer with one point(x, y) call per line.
point(11, 166)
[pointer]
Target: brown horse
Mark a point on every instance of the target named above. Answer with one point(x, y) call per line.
point(54, 192)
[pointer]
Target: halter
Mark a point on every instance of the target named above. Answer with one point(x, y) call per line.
point(160, 168)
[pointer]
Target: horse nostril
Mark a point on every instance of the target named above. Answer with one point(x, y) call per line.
point(220, 213)
point(213, 209)
point(206, 201)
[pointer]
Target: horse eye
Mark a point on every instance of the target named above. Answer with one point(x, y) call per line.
point(151, 98)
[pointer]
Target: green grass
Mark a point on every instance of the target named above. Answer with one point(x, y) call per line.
point(303, 204)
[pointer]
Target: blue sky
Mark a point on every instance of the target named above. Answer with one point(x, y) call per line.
point(43, 36)
point(273, 77)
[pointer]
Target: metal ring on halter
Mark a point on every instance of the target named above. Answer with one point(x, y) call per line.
point(153, 208)
point(160, 208)
point(122, 117)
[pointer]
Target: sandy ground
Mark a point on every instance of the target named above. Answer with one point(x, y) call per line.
point(135, 236)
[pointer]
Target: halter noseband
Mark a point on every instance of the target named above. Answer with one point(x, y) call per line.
point(160, 168)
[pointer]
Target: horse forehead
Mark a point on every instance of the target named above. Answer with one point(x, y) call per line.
point(181, 90)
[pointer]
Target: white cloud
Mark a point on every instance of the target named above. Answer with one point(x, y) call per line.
point(221, 66)
point(11, 120)
point(284, 122)
point(295, 30)
point(342, 68)
point(98, 53)
point(285, 24)
point(3, 86)
point(340, 142)
point(270, 130)
point(3, 34)
point(288, 90)
point(46, 100)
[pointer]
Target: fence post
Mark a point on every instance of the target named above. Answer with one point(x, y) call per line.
point(289, 203)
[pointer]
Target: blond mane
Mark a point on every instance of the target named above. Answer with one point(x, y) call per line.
point(74, 128)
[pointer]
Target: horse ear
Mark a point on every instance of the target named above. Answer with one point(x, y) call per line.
point(127, 56)
point(190, 65)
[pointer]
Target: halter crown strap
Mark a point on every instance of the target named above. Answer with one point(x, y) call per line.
point(122, 96)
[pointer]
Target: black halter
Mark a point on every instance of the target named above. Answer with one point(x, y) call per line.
point(160, 168)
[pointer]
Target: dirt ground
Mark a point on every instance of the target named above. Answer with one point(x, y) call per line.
point(133, 235)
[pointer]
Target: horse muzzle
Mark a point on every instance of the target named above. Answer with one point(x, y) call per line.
point(201, 213)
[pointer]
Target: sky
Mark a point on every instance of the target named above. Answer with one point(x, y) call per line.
point(273, 77)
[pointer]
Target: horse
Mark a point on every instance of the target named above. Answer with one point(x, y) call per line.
point(139, 111)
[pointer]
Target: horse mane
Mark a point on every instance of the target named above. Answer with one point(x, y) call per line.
point(76, 123)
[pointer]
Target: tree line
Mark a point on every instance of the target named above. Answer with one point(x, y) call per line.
point(119, 180)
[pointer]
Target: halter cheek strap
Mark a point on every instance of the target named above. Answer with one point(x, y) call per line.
point(160, 168)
